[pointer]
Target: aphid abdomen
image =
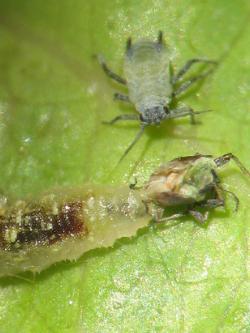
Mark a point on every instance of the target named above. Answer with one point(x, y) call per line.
point(147, 72)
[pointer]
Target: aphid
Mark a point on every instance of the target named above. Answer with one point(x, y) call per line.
point(152, 85)
point(189, 182)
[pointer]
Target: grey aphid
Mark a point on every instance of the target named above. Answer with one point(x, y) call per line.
point(152, 85)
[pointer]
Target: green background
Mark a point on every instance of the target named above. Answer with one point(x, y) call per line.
point(53, 97)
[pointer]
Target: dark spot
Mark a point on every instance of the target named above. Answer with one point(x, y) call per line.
point(40, 227)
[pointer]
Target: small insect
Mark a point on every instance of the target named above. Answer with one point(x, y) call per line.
point(189, 182)
point(152, 85)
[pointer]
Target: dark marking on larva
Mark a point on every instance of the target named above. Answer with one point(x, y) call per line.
point(42, 227)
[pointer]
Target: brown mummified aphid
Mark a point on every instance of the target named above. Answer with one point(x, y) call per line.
point(189, 183)
point(34, 235)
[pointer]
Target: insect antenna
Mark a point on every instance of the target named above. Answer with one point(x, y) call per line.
point(137, 137)
point(222, 160)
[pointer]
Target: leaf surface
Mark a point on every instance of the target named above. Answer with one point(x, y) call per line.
point(53, 98)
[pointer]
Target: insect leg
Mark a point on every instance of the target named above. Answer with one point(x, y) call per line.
point(170, 218)
point(188, 65)
point(122, 117)
point(109, 72)
point(222, 160)
point(183, 112)
point(121, 97)
point(198, 216)
point(213, 203)
point(183, 87)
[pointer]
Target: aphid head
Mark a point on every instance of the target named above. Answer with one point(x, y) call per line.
point(153, 115)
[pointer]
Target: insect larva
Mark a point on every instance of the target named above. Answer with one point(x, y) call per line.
point(34, 235)
point(152, 85)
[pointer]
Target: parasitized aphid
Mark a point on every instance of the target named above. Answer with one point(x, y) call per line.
point(151, 84)
point(190, 183)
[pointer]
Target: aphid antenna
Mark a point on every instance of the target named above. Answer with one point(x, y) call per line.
point(137, 137)
point(224, 159)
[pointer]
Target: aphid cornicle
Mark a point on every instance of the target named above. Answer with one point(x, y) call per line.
point(190, 182)
point(152, 85)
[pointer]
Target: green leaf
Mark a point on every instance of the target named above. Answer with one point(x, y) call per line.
point(53, 97)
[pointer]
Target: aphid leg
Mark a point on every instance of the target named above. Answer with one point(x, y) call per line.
point(160, 37)
point(108, 71)
point(188, 65)
point(122, 117)
point(222, 160)
point(183, 112)
point(137, 137)
point(169, 218)
point(213, 203)
point(183, 87)
point(120, 97)
point(198, 216)
point(156, 212)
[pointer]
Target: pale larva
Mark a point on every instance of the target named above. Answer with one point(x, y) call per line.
point(34, 235)
point(151, 84)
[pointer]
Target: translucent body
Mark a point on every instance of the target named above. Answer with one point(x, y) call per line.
point(36, 234)
point(147, 71)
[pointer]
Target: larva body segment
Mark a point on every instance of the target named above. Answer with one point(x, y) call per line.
point(147, 71)
point(34, 235)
